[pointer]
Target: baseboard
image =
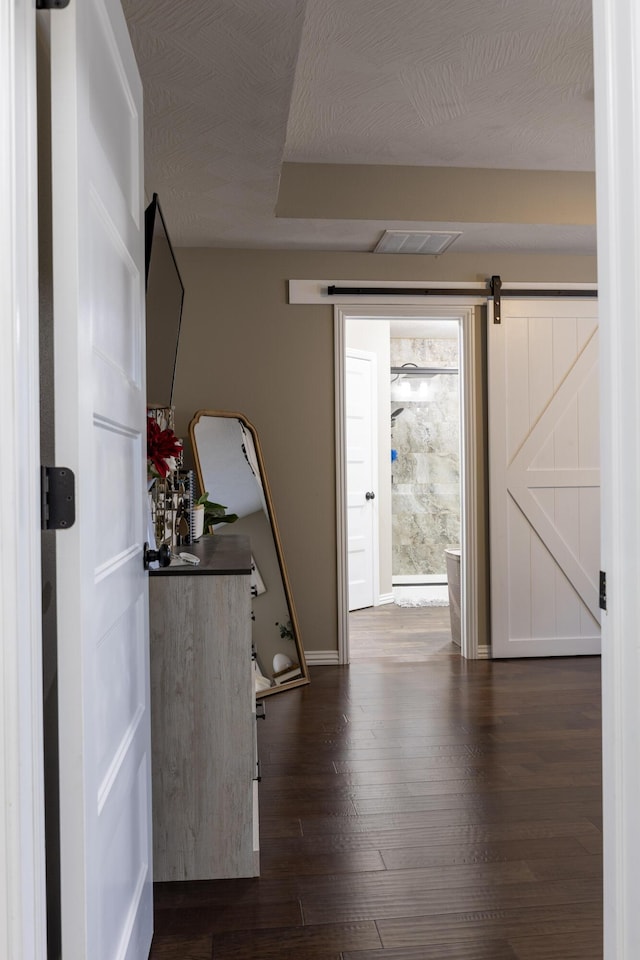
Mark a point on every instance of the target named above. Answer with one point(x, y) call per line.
point(429, 593)
point(317, 658)
point(484, 652)
point(384, 598)
point(420, 580)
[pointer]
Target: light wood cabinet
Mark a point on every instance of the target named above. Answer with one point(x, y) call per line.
point(204, 759)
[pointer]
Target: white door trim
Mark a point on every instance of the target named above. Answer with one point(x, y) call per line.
point(22, 863)
point(469, 571)
point(339, 325)
point(616, 30)
point(470, 454)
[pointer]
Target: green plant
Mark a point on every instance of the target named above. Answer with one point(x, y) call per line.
point(286, 630)
point(214, 512)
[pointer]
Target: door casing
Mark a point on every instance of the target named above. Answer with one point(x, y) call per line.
point(22, 849)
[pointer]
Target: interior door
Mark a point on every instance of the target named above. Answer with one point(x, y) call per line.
point(544, 479)
point(360, 380)
point(102, 589)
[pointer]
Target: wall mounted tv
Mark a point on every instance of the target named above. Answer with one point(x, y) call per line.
point(164, 298)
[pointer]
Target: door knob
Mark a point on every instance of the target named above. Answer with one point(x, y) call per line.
point(162, 555)
point(370, 495)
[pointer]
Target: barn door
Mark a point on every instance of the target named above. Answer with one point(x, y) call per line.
point(544, 479)
point(100, 418)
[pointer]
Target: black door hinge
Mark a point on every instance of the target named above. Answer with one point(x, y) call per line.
point(51, 4)
point(603, 590)
point(57, 498)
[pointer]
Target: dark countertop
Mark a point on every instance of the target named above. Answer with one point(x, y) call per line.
point(220, 554)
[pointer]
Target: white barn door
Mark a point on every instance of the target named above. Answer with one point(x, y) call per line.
point(544, 479)
point(360, 404)
point(100, 416)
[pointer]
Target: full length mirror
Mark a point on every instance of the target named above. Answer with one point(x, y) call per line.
point(230, 468)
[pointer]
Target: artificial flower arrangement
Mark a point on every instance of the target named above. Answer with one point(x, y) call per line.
point(162, 449)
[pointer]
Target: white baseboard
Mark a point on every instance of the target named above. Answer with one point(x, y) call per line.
point(484, 652)
point(428, 592)
point(317, 658)
point(384, 598)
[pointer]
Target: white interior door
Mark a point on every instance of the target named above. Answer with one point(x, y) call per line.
point(360, 403)
point(102, 599)
point(544, 479)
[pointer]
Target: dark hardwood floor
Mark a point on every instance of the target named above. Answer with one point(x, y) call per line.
point(429, 808)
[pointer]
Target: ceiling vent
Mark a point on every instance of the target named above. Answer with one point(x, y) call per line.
point(415, 241)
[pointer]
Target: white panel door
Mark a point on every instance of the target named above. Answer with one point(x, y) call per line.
point(544, 479)
point(360, 380)
point(102, 589)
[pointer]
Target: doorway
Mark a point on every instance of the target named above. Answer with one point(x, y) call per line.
point(463, 318)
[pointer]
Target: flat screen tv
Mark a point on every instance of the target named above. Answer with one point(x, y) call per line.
point(164, 298)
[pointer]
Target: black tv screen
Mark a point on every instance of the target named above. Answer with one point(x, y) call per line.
point(164, 298)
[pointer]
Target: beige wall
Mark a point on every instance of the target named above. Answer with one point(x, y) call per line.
point(243, 347)
point(353, 191)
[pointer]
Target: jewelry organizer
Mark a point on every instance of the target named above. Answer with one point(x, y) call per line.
point(172, 501)
point(172, 497)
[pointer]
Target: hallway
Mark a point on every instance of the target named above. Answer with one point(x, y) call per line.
point(439, 810)
point(390, 632)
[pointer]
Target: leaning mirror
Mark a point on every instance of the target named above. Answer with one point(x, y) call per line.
point(230, 468)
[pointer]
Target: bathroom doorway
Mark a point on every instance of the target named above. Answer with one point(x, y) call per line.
point(455, 519)
point(425, 459)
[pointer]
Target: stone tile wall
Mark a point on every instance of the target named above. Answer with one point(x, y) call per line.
point(426, 472)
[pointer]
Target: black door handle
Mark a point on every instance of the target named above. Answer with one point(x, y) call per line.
point(370, 495)
point(162, 555)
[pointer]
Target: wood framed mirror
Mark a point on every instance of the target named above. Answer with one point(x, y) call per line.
point(230, 468)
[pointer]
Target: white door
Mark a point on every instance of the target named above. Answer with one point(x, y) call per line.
point(544, 479)
point(360, 403)
point(102, 595)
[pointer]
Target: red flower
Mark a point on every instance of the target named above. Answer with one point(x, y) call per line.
point(161, 446)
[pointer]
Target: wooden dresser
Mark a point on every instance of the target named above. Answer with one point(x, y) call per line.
point(203, 716)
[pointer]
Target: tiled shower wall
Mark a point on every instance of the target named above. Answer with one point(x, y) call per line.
point(425, 490)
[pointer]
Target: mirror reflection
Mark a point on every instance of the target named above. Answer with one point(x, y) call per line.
point(230, 470)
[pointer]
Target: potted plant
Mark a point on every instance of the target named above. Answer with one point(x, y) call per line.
point(212, 513)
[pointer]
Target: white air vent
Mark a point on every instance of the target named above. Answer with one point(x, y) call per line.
point(415, 241)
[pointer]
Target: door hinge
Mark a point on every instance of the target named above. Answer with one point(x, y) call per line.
point(57, 498)
point(51, 4)
point(603, 590)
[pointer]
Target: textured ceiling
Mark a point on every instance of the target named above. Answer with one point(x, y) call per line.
point(235, 87)
point(466, 83)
